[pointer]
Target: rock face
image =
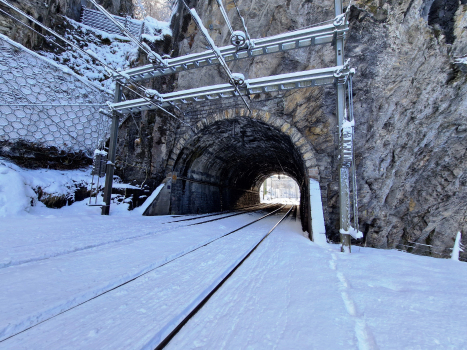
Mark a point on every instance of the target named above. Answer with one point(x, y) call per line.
point(410, 109)
point(48, 12)
point(411, 128)
point(409, 103)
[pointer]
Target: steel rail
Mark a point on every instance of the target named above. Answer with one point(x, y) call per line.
point(315, 77)
point(157, 343)
point(236, 214)
point(180, 226)
point(283, 42)
point(243, 210)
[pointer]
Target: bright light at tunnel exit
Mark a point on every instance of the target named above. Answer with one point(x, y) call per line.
point(280, 189)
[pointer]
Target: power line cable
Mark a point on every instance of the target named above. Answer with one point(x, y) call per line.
point(226, 18)
point(49, 40)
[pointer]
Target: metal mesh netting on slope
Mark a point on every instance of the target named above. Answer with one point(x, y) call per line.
point(43, 103)
point(98, 20)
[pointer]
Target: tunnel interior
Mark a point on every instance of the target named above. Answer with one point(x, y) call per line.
point(224, 165)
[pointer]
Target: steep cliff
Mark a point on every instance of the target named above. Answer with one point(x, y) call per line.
point(410, 100)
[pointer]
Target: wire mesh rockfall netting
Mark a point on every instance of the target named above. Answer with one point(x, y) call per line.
point(98, 20)
point(43, 103)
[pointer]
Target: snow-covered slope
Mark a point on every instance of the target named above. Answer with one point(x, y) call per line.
point(116, 51)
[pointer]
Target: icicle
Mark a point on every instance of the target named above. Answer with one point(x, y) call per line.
point(457, 247)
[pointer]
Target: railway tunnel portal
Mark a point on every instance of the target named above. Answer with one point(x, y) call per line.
point(220, 159)
point(221, 164)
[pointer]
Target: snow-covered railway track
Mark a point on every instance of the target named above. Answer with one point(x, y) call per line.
point(31, 252)
point(166, 334)
point(225, 213)
point(88, 278)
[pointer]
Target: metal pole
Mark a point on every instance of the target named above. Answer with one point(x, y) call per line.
point(112, 154)
point(344, 200)
point(90, 191)
point(97, 189)
point(354, 169)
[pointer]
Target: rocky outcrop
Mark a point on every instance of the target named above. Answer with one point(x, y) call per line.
point(411, 128)
point(410, 108)
point(409, 105)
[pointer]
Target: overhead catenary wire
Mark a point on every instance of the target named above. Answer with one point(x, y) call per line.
point(226, 18)
point(55, 104)
point(77, 48)
point(92, 55)
point(48, 39)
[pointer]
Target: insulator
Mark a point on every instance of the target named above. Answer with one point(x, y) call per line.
point(347, 146)
point(238, 38)
point(238, 79)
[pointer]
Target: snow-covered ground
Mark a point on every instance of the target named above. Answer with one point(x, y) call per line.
point(19, 187)
point(292, 201)
point(73, 279)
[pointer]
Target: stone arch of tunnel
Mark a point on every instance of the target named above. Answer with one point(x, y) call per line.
point(221, 164)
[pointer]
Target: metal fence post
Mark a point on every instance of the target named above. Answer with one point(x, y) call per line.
point(112, 154)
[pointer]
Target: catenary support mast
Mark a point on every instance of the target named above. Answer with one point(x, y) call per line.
point(344, 199)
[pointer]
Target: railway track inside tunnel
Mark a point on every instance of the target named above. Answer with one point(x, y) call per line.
point(88, 296)
point(225, 164)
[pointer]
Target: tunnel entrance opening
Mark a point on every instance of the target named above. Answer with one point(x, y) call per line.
point(224, 165)
point(280, 188)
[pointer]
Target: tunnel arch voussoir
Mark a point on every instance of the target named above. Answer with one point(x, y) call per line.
point(303, 147)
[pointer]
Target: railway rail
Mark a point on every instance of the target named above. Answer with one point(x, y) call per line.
point(237, 211)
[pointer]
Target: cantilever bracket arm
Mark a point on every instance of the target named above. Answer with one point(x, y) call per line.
point(283, 82)
point(284, 42)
